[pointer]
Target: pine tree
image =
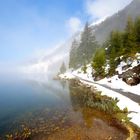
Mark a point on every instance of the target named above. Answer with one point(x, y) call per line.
point(112, 62)
point(99, 61)
point(129, 38)
point(116, 43)
point(84, 68)
point(87, 46)
point(63, 68)
point(73, 55)
point(137, 30)
point(115, 49)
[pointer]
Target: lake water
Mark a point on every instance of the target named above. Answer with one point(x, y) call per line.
point(52, 110)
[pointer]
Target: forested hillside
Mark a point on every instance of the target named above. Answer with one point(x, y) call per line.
point(121, 46)
point(98, 36)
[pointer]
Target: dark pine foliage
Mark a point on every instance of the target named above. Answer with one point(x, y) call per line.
point(82, 52)
point(126, 43)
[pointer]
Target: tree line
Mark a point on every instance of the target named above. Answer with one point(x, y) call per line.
point(125, 43)
point(82, 51)
point(120, 43)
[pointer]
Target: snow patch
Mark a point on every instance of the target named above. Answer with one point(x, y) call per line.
point(67, 75)
point(99, 21)
point(119, 69)
point(80, 73)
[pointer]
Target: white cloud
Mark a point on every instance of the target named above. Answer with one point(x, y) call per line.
point(74, 24)
point(98, 9)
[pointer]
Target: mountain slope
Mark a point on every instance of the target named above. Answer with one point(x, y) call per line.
point(102, 32)
point(117, 21)
point(50, 63)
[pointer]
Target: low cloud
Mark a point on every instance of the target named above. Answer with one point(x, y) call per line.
point(99, 9)
point(73, 24)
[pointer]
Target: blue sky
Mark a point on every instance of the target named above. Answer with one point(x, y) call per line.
point(27, 26)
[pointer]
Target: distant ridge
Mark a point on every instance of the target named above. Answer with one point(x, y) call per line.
point(117, 21)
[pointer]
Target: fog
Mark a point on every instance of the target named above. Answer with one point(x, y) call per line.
point(50, 61)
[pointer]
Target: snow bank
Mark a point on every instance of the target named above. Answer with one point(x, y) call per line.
point(120, 66)
point(116, 83)
point(87, 76)
point(130, 61)
point(67, 75)
point(123, 102)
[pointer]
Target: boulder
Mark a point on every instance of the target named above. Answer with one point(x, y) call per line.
point(98, 78)
point(126, 67)
point(132, 76)
point(132, 81)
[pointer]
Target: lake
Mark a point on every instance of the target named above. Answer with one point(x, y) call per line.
point(52, 110)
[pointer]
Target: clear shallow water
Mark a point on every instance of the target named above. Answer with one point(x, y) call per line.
point(20, 96)
point(49, 108)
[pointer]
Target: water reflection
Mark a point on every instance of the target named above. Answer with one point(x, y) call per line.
point(47, 107)
point(21, 100)
point(84, 100)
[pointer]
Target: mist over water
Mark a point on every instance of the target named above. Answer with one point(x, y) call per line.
point(20, 93)
point(38, 102)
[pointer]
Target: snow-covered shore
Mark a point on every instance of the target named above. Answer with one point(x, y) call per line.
point(114, 83)
point(123, 102)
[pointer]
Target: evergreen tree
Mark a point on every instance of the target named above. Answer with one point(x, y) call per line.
point(129, 38)
point(84, 68)
point(87, 46)
point(99, 61)
point(115, 49)
point(63, 68)
point(73, 55)
point(116, 43)
point(137, 30)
